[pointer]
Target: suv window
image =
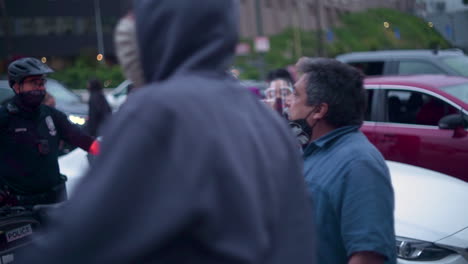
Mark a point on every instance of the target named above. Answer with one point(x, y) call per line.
point(416, 108)
point(458, 63)
point(369, 97)
point(370, 68)
point(417, 67)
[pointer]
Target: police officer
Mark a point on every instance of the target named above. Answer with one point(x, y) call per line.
point(30, 133)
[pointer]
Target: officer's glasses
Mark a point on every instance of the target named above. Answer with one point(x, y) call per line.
point(37, 82)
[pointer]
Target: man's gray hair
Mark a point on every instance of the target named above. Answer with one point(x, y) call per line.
point(338, 85)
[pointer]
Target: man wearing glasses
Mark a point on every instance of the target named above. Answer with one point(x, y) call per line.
point(30, 133)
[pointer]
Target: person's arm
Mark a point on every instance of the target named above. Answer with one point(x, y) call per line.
point(367, 213)
point(366, 258)
point(71, 133)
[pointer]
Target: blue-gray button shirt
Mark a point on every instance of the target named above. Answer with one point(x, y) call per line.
point(350, 186)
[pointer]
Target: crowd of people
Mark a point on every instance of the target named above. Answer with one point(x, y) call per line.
point(194, 168)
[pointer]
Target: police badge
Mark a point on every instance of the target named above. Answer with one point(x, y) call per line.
point(51, 126)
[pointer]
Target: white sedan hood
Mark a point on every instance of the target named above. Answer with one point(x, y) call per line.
point(429, 206)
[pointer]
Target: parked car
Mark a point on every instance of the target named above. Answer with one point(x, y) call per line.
point(119, 94)
point(431, 220)
point(408, 62)
point(73, 165)
point(66, 101)
point(420, 120)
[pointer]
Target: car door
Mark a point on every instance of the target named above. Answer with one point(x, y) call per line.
point(410, 134)
point(372, 112)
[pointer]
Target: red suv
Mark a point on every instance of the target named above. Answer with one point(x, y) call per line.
point(420, 120)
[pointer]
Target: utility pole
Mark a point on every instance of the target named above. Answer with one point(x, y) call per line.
point(297, 29)
point(318, 19)
point(259, 21)
point(99, 34)
point(6, 29)
point(258, 12)
point(453, 25)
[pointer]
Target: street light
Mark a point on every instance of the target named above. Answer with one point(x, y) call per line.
point(99, 34)
point(430, 24)
point(386, 24)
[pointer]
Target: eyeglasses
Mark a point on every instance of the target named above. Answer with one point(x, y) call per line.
point(37, 82)
point(285, 92)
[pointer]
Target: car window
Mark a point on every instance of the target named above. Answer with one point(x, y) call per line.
point(458, 64)
point(123, 89)
point(369, 97)
point(417, 67)
point(409, 107)
point(122, 92)
point(459, 91)
point(369, 68)
point(61, 93)
point(6, 94)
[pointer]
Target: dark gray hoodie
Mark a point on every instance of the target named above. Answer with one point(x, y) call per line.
point(193, 169)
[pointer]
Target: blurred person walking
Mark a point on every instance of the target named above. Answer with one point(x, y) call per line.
point(99, 109)
point(347, 177)
point(193, 169)
point(127, 50)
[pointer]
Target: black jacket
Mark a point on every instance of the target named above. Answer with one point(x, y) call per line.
point(193, 168)
point(99, 111)
point(29, 146)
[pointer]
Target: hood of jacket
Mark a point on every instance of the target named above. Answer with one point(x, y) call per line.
point(180, 36)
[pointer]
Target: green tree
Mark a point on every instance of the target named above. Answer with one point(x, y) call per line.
point(85, 68)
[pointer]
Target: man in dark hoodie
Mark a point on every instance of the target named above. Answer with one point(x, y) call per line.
point(193, 168)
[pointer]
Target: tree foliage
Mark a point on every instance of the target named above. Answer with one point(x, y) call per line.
point(362, 31)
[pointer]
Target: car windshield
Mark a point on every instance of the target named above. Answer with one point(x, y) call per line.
point(61, 94)
point(458, 63)
point(459, 91)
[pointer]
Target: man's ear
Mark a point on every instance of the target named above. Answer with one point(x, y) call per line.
point(16, 87)
point(321, 112)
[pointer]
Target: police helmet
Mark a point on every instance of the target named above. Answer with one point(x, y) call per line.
point(22, 68)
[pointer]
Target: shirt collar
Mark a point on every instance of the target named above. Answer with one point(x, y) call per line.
point(330, 136)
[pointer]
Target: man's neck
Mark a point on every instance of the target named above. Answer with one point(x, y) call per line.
point(322, 128)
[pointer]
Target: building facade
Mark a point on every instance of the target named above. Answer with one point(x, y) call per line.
point(67, 28)
point(449, 17)
point(277, 15)
point(426, 8)
point(57, 27)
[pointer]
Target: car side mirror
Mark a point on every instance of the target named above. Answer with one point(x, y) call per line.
point(452, 121)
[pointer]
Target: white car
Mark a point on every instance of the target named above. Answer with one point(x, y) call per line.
point(431, 211)
point(431, 216)
point(73, 165)
point(118, 95)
